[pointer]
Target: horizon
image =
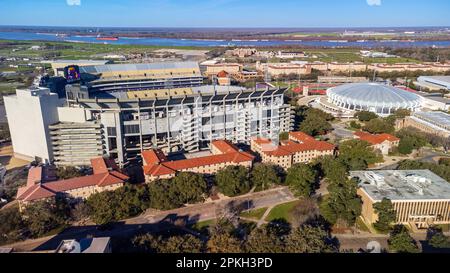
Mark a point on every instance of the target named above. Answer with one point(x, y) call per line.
point(224, 27)
point(225, 14)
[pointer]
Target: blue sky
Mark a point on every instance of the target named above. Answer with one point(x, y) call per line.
point(226, 13)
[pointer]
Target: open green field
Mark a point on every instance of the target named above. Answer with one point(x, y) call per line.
point(281, 211)
point(350, 55)
point(68, 50)
point(254, 214)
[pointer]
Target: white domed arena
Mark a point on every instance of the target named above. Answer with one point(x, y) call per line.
point(378, 98)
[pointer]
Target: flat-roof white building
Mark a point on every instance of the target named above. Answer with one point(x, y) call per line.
point(435, 82)
point(419, 197)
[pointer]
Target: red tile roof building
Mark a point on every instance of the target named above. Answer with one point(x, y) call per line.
point(223, 78)
point(157, 166)
point(382, 142)
point(300, 148)
point(106, 177)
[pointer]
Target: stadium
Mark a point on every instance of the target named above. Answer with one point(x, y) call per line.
point(381, 99)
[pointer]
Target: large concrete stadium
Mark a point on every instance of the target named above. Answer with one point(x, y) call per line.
point(381, 99)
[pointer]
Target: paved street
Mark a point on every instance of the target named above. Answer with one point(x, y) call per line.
point(207, 211)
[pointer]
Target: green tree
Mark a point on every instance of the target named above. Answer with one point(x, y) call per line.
point(437, 239)
point(401, 113)
point(172, 244)
point(309, 239)
point(191, 187)
point(130, 200)
point(355, 125)
point(378, 126)
point(264, 240)
point(223, 242)
point(357, 154)
point(332, 169)
point(342, 202)
point(68, 172)
point(301, 179)
point(386, 215)
point(12, 226)
point(44, 216)
point(164, 196)
point(315, 125)
point(365, 116)
point(410, 140)
point(401, 242)
point(284, 136)
point(264, 176)
point(103, 207)
point(233, 181)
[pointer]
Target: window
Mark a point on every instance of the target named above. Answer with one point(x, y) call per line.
point(111, 131)
point(131, 129)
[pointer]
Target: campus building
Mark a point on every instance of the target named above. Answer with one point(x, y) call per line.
point(420, 197)
point(41, 185)
point(381, 142)
point(29, 114)
point(230, 68)
point(59, 65)
point(345, 100)
point(436, 123)
point(130, 80)
point(121, 121)
point(279, 69)
point(435, 82)
point(300, 148)
point(223, 154)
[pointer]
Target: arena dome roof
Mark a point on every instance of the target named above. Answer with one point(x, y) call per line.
point(374, 97)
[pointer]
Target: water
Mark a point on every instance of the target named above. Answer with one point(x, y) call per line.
point(29, 36)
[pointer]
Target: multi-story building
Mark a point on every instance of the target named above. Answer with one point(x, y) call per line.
point(224, 154)
point(300, 148)
point(420, 198)
point(278, 69)
point(174, 120)
point(437, 123)
point(230, 68)
point(106, 176)
point(340, 80)
point(382, 142)
point(29, 114)
point(244, 52)
point(76, 143)
point(290, 54)
point(347, 67)
point(435, 82)
point(223, 78)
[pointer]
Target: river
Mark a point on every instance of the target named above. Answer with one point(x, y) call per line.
point(30, 36)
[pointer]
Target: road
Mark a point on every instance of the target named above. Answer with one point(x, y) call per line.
point(156, 221)
point(341, 132)
point(208, 211)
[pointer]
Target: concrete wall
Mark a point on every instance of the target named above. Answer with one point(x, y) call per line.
point(67, 114)
point(29, 113)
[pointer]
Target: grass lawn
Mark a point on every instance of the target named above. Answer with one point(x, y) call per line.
point(254, 214)
point(281, 211)
point(201, 226)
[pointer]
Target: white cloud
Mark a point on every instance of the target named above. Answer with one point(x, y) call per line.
point(374, 2)
point(74, 2)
